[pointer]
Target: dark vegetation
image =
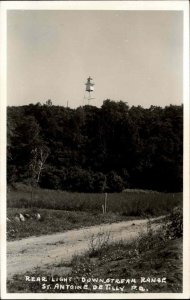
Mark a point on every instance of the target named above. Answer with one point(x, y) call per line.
point(97, 150)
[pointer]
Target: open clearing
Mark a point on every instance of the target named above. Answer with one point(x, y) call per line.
point(62, 211)
point(27, 254)
point(60, 243)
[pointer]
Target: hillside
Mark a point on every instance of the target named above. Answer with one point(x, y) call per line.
point(92, 149)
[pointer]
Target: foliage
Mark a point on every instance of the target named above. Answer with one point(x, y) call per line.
point(98, 243)
point(98, 149)
point(174, 224)
point(171, 227)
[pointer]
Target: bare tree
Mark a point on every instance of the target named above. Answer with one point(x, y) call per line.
point(39, 156)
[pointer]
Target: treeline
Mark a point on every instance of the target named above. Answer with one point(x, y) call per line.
point(98, 149)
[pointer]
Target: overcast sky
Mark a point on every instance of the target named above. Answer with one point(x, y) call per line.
point(134, 56)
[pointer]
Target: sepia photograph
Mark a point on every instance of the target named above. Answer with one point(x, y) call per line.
point(95, 150)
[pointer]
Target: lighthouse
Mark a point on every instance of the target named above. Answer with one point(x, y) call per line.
point(89, 88)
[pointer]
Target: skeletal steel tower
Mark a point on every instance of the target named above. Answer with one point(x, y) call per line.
point(89, 88)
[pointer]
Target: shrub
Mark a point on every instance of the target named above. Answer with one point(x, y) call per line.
point(114, 182)
point(99, 182)
point(98, 243)
point(150, 239)
point(174, 226)
point(79, 180)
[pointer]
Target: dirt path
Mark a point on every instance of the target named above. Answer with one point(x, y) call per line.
point(29, 253)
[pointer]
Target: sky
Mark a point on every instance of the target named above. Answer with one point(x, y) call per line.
point(133, 56)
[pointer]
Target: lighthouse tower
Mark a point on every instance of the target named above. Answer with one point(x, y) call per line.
point(89, 88)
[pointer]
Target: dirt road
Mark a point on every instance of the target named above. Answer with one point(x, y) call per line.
point(29, 253)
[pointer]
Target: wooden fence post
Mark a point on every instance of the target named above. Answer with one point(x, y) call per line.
point(105, 203)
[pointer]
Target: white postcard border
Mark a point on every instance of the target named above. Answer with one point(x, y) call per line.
point(96, 5)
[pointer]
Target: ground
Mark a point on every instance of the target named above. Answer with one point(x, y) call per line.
point(63, 242)
point(118, 260)
point(60, 247)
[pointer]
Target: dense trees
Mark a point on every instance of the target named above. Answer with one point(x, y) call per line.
point(98, 149)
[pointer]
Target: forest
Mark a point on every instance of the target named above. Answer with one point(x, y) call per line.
point(90, 149)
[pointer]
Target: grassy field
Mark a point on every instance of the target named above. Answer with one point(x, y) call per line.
point(154, 255)
point(62, 211)
point(126, 203)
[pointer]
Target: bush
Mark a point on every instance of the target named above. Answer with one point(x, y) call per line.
point(114, 182)
point(174, 226)
point(150, 239)
point(99, 182)
point(79, 180)
point(98, 243)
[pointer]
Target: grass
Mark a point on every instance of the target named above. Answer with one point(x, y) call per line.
point(124, 261)
point(62, 211)
point(153, 256)
point(54, 221)
point(126, 204)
